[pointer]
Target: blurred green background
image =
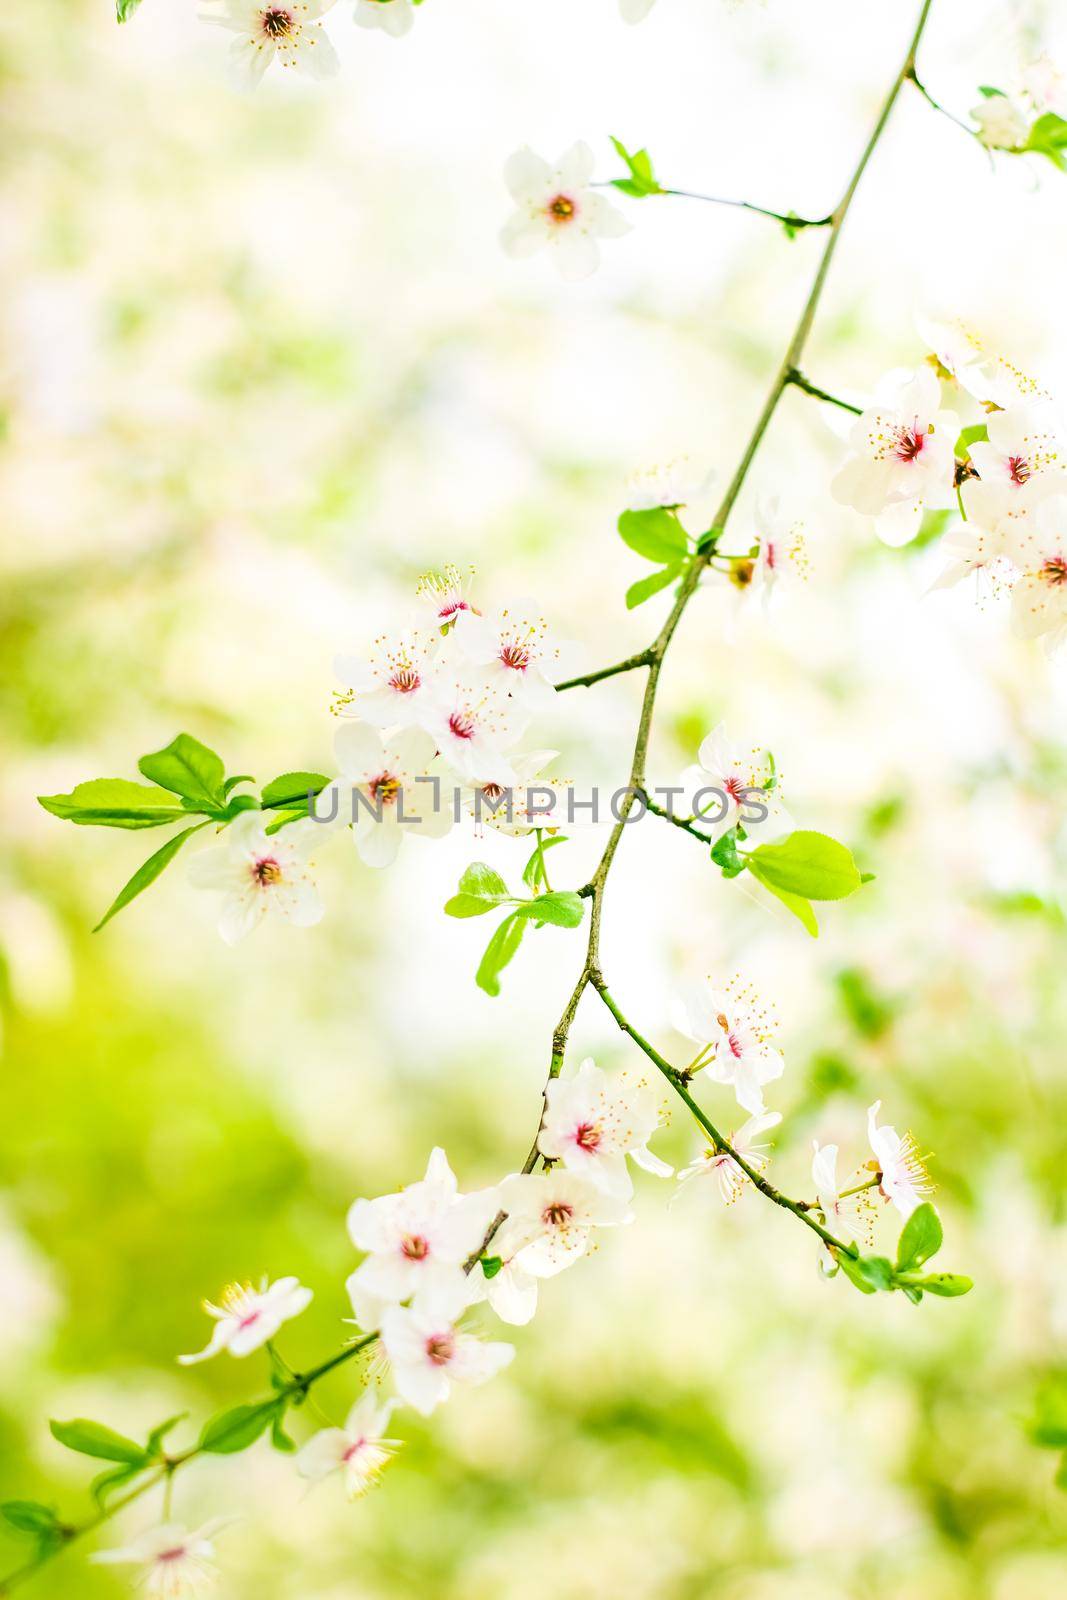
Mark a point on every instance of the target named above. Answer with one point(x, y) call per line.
point(262, 364)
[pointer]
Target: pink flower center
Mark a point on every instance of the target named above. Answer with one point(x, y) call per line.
point(1018, 469)
point(450, 608)
point(266, 870)
point(277, 24)
point(515, 656)
point(353, 1451)
point(385, 787)
point(249, 1321)
point(461, 725)
point(735, 1046)
point(556, 1214)
point(441, 1347)
point(414, 1247)
point(405, 680)
point(561, 208)
point(492, 792)
point(735, 788)
point(176, 1554)
point(770, 555)
point(1054, 571)
point(910, 443)
point(587, 1136)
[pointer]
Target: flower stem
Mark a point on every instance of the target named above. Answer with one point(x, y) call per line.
point(798, 381)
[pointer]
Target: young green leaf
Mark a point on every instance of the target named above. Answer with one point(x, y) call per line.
point(30, 1516)
point(114, 1478)
point(642, 180)
point(807, 863)
point(978, 434)
point(156, 1437)
point(491, 1265)
point(1048, 137)
point(921, 1237)
point(114, 803)
point(724, 854)
point(188, 768)
point(232, 1431)
point(800, 907)
point(645, 588)
point(532, 872)
point(93, 1439)
point(657, 535)
point(850, 1266)
point(292, 789)
point(562, 907)
point(498, 952)
point(278, 1436)
point(147, 873)
point(480, 890)
point(946, 1284)
point(124, 9)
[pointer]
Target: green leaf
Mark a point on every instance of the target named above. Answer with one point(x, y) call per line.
point(232, 1431)
point(114, 803)
point(946, 1284)
point(102, 1485)
point(124, 9)
point(562, 907)
point(807, 863)
point(979, 434)
point(190, 769)
point(491, 1265)
point(850, 1266)
point(989, 93)
point(645, 588)
point(531, 872)
point(148, 873)
point(800, 907)
point(480, 890)
point(642, 180)
point(921, 1237)
point(278, 1436)
point(657, 535)
point(29, 1516)
point(93, 1439)
point(292, 787)
point(724, 854)
point(158, 1434)
point(498, 952)
point(1048, 137)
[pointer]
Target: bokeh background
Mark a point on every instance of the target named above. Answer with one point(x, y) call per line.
point(263, 363)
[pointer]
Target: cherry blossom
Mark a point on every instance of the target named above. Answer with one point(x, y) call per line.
point(557, 209)
point(845, 1212)
point(1039, 598)
point(1023, 458)
point(472, 723)
point(735, 1038)
point(174, 1562)
point(903, 457)
point(395, 17)
point(593, 1122)
point(721, 1166)
point(397, 794)
point(443, 595)
point(513, 647)
point(519, 808)
point(248, 1318)
point(359, 1451)
point(1003, 124)
point(428, 1351)
point(417, 1239)
point(958, 352)
point(259, 874)
point(391, 685)
point(903, 1178)
point(728, 786)
point(289, 32)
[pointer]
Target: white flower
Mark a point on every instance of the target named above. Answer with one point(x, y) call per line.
point(635, 10)
point(417, 1239)
point(903, 457)
point(289, 31)
point(782, 551)
point(903, 1177)
point(396, 793)
point(519, 808)
point(513, 647)
point(443, 595)
point(727, 787)
point(671, 486)
point(175, 1561)
point(389, 687)
point(735, 1034)
point(959, 353)
point(970, 548)
point(555, 207)
point(843, 1211)
point(248, 1318)
point(715, 1163)
point(359, 1450)
point(1039, 598)
point(471, 724)
point(1003, 124)
point(593, 1122)
point(1024, 456)
point(1045, 86)
point(429, 1352)
point(258, 873)
point(394, 17)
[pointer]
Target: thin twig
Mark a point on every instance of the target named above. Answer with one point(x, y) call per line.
point(798, 381)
